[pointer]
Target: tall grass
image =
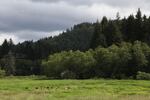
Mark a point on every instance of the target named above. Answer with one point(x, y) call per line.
point(33, 89)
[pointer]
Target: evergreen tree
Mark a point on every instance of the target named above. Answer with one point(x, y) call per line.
point(113, 34)
point(97, 31)
point(130, 29)
point(123, 28)
point(4, 48)
point(104, 23)
point(118, 22)
point(138, 26)
point(11, 44)
point(145, 28)
point(9, 64)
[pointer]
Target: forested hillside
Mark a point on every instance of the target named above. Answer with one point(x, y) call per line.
point(127, 37)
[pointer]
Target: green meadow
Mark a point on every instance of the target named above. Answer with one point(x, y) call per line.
point(36, 89)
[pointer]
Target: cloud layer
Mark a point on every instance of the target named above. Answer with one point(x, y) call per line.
point(34, 19)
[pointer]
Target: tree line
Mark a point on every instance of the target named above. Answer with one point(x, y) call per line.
point(130, 29)
point(83, 39)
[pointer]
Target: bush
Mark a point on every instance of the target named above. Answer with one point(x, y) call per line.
point(119, 76)
point(2, 73)
point(143, 76)
point(69, 64)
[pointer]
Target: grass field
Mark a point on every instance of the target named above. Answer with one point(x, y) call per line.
point(34, 89)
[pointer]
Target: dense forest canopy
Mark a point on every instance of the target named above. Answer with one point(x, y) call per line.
point(107, 48)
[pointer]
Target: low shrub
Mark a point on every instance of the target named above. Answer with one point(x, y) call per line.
point(143, 76)
point(68, 75)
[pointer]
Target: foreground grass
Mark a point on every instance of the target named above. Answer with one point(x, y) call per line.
point(33, 89)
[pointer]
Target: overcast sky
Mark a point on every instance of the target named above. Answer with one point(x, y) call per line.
point(34, 19)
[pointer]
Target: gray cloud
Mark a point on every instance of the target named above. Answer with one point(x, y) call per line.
point(33, 19)
point(116, 3)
